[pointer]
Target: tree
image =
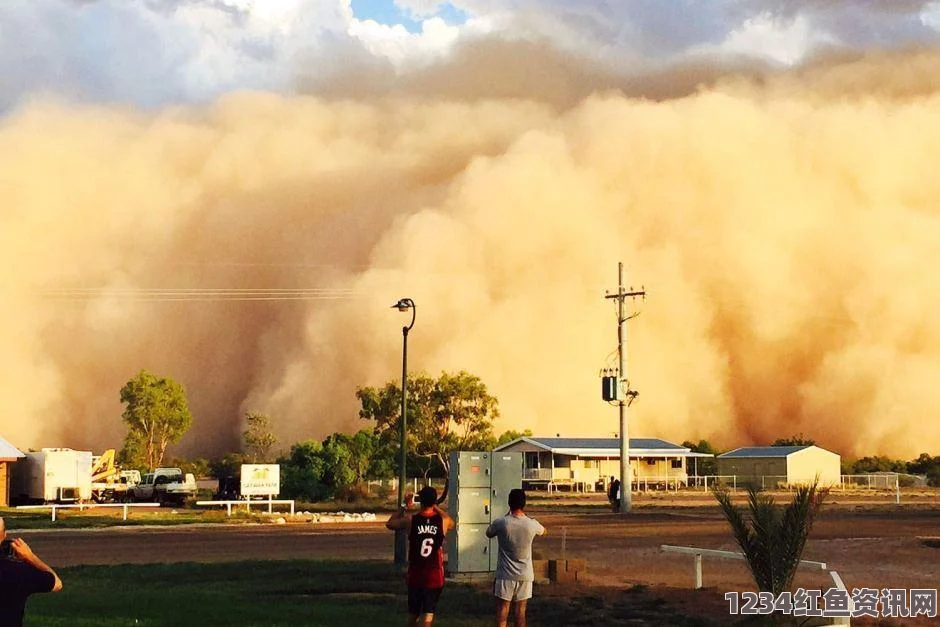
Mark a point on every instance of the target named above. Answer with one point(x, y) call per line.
point(928, 466)
point(794, 440)
point(258, 440)
point(132, 454)
point(508, 436)
point(705, 465)
point(156, 413)
point(922, 465)
point(302, 472)
point(363, 459)
point(227, 466)
point(772, 538)
point(878, 463)
point(336, 456)
point(452, 412)
point(933, 476)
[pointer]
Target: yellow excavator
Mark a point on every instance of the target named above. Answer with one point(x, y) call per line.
point(108, 482)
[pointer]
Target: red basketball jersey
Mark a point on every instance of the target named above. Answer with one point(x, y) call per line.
point(425, 558)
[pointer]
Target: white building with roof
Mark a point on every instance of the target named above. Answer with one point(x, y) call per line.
point(586, 462)
point(781, 466)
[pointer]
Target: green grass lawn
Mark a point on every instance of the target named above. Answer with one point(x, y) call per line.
point(243, 593)
point(310, 593)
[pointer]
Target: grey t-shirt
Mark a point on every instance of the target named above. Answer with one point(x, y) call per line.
point(515, 535)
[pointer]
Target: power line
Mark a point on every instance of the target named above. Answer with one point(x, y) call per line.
point(197, 294)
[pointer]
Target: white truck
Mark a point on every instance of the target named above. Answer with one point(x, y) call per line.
point(167, 486)
point(52, 475)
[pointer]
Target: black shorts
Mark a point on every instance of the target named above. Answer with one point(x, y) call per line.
point(423, 600)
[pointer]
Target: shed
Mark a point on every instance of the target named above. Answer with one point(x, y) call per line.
point(781, 466)
point(8, 455)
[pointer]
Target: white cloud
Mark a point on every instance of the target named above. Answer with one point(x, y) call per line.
point(400, 46)
point(782, 41)
point(151, 52)
point(930, 16)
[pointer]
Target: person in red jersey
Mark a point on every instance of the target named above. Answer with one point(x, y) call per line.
point(426, 530)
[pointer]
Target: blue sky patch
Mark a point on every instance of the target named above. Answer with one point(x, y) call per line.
point(386, 12)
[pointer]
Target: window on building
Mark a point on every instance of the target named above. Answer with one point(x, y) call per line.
point(677, 463)
point(650, 461)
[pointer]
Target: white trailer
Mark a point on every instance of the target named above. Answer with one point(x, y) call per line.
point(52, 475)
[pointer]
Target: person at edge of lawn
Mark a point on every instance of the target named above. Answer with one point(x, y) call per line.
point(426, 530)
point(514, 574)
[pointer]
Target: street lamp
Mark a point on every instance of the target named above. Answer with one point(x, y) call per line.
point(401, 537)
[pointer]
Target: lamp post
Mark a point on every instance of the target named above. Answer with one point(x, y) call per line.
point(400, 535)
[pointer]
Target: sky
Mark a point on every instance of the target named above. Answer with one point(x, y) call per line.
point(153, 53)
point(763, 167)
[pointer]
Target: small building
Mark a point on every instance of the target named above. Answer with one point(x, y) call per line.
point(8, 455)
point(781, 466)
point(584, 463)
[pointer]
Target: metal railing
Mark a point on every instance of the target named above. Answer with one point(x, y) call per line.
point(538, 474)
point(270, 502)
point(83, 506)
point(731, 555)
point(412, 485)
point(871, 481)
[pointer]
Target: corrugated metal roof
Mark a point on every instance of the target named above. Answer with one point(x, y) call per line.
point(588, 443)
point(602, 443)
point(8, 451)
point(763, 451)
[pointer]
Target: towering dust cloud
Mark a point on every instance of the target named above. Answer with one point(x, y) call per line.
point(783, 226)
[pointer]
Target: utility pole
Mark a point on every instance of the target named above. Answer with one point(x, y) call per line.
point(625, 395)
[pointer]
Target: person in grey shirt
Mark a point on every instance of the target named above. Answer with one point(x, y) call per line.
point(514, 575)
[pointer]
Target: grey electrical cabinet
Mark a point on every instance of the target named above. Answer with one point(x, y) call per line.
point(473, 469)
point(479, 487)
point(506, 475)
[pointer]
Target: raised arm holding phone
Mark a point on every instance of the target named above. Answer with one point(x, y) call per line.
point(22, 574)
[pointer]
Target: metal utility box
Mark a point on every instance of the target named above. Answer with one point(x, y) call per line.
point(506, 474)
point(478, 491)
point(470, 549)
point(53, 474)
point(473, 469)
point(472, 506)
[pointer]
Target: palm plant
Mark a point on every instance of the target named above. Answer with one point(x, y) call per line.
point(771, 537)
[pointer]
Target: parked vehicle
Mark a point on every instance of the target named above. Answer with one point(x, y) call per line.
point(52, 475)
point(108, 482)
point(167, 486)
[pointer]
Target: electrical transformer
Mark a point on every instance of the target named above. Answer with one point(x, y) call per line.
point(479, 487)
point(610, 388)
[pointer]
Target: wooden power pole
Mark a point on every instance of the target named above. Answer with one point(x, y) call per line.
point(624, 394)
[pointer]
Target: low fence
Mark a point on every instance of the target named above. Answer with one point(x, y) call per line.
point(270, 502)
point(873, 481)
point(732, 555)
point(83, 506)
point(699, 554)
point(880, 481)
point(374, 486)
